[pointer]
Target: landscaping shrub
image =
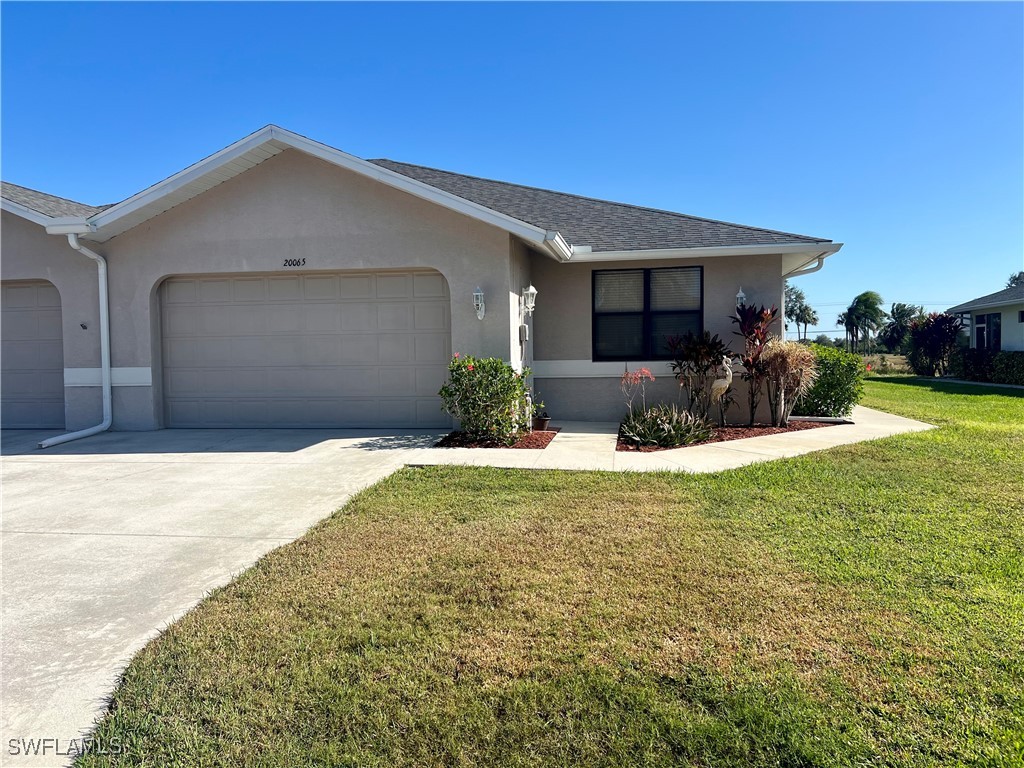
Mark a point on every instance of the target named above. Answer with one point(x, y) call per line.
point(488, 397)
point(697, 360)
point(972, 364)
point(755, 329)
point(838, 387)
point(1008, 368)
point(791, 370)
point(667, 426)
point(933, 342)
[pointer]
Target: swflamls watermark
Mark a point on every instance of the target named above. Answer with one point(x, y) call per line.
point(43, 746)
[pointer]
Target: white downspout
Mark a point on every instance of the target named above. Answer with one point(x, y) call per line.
point(101, 269)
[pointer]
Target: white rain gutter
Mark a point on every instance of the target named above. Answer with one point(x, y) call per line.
point(73, 230)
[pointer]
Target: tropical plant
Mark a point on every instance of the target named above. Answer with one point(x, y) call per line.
point(696, 361)
point(666, 426)
point(755, 329)
point(933, 340)
point(895, 333)
point(798, 311)
point(488, 397)
point(838, 386)
point(791, 369)
point(1017, 278)
point(863, 317)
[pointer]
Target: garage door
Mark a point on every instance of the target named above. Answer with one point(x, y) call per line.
point(32, 357)
point(351, 349)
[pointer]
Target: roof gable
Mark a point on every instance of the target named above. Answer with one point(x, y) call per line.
point(47, 205)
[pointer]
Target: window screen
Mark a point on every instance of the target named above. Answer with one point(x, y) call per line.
point(636, 311)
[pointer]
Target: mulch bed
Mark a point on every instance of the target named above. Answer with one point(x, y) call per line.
point(723, 434)
point(535, 440)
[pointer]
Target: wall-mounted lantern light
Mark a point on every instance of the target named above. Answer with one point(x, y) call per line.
point(529, 299)
point(478, 303)
point(741, 297)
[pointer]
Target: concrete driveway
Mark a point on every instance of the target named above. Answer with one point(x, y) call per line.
point(108, 539)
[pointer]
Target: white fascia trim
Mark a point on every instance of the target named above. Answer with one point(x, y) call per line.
point(119, 377)
point(818, 249)
point(24, 212)
point(972, 308)
point(550, 241)
point(588, 369)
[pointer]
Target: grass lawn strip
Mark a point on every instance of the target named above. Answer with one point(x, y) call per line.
point(861, 605)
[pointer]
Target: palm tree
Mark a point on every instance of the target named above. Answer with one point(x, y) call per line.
point(866, 315)
point(894, 334)
point(847, 321)
point(806, 316)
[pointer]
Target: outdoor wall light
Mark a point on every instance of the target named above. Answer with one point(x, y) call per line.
point(478, 303)
point(529, 300)
point(741, 297)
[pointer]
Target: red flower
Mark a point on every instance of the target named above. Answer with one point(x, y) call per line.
point(456, 354)
point(469, 367)
point(869, 366)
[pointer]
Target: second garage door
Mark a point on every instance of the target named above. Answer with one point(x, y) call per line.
point(350, 349)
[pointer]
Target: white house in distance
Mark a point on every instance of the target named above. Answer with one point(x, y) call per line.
point(996, 321)
point(283, 283)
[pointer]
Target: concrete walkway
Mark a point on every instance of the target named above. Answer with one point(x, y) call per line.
point(591, 445)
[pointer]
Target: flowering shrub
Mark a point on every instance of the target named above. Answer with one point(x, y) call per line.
point(488, 397)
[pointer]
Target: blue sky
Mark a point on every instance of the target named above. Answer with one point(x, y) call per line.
point(897, 129)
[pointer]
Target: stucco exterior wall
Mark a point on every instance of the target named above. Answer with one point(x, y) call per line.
point(28, 253)
point(573, 387)
point(1011, 329)
point(292, 206)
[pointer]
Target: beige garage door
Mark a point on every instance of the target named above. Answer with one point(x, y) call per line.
point(32, 357)
point(351, 349)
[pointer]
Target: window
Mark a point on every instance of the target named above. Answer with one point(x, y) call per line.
point(1020, 316)
point(637, 310)
point(988, 331)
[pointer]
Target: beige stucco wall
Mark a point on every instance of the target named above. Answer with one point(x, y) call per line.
point(1011, 329)
point(290, 206)
point(563, 331)
point(28, 253)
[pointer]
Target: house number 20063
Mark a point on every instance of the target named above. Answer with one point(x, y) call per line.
point(294, 262)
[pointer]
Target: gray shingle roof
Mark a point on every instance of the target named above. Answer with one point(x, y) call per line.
point(1012, 295)
point(601, 224)
point(48, 205)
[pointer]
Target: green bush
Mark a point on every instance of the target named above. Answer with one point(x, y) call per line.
point(972, 364)
point(1008, 368)
point(666, 426)
point(933, 343)
point(838, 387)
point(488, 397)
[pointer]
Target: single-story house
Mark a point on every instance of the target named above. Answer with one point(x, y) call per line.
point(283, 283)
point(995, 321)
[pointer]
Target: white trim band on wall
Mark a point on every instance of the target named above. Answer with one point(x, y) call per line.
point(587, 369)
point(119, 377)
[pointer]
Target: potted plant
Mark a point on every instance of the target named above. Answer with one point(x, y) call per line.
point(541, 422)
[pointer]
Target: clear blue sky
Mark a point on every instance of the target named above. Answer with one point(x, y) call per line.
point(895, 128)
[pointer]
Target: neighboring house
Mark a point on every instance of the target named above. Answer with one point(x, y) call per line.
point(283, 283)
point(995, 321)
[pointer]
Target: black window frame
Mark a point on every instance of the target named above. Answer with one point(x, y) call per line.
point(647, 313)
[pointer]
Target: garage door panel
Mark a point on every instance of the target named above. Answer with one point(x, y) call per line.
point(32, 356)
point(347, 350)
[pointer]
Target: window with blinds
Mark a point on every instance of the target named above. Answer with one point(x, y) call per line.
point(636, 311)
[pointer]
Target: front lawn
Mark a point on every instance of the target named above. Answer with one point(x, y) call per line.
point(860, 606)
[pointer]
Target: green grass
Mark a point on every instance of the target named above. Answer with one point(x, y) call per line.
point(860, 606)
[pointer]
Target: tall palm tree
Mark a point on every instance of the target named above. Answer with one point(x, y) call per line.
point(866, 315)
point(806, 316)
point(848, 322)
point(895, 331)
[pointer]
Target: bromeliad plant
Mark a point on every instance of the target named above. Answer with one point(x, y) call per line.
point(666, 426)
point(755, 328)
point(488, 397)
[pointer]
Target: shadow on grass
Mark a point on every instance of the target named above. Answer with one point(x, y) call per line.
point(952, 387)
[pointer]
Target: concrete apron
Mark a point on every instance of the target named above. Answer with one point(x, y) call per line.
point(108, 540)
